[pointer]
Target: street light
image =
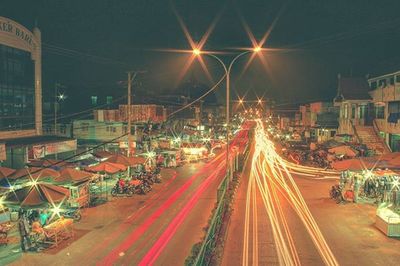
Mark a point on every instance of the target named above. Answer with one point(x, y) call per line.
point(257, 49)
point(197, 52)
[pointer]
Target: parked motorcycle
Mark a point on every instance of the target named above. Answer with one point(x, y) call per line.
point(72, 213)
point(118, 191)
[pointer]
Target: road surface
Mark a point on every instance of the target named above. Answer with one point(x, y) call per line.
point(159, 228)
point(256, 239)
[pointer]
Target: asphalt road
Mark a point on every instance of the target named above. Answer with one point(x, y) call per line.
point(160, 227)
point(348, 229)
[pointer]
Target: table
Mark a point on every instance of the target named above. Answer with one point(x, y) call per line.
point(58, 231)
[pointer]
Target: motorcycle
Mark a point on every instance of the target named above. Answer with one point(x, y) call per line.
point(72, 213)
point(117, 191)
point(157, 175)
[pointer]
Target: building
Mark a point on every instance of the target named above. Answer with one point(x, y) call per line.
point(319, 120)
point(20, 80)
point(386, 99)
point(354, 103)
point(91, 133)
point(140, 113)
point(21, 136)
point(358, 112)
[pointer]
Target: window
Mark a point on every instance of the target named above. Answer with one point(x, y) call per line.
point(94, 100)
point(382, 83)
point(380, 112)
point(346, 111)
point(109, 100)
point(373, 85)
point(84, 126)
point(353, 111)
point(333, 133)
point(17, 91)
point(361, 111)
point(398, 78)
point(391, 80)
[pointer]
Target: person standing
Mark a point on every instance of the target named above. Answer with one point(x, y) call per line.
point(24, 230)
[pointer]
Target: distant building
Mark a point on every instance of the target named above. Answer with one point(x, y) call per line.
point(21, 136)
point(355, 104)
point(320, 119)
point(139, 113)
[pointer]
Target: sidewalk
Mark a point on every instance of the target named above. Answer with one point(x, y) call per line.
point(97, 222)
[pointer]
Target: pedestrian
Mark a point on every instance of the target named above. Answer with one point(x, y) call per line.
point(43, 217)
point(23, 227)
point(356, 186)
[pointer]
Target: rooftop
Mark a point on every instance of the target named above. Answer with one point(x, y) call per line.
point(33, 140)
point(353, 89)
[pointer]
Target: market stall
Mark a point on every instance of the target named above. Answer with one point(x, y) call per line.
point(78, 184)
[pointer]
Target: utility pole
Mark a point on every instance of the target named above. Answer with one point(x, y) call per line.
point(55, 108)
point(131, 76)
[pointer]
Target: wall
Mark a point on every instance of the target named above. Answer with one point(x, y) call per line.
point(98, 131)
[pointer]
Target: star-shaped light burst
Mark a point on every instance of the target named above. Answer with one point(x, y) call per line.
point(196, 48)
point(258, 45)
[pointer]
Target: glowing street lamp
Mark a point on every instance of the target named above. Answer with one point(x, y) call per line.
point(257, 49)
point(227, 69)
point(196, 52)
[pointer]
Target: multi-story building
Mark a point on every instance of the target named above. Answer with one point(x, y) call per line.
point(354, 104)
point(386, 98)
point(21, 136)
point(358, 113)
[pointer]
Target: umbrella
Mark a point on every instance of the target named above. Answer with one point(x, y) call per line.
point(72, 175)
point(6, 172)
point(24, 172)
point(37, 195)
point(352, 164)
point(127, 161)
point(45, 172)
point(47, 163)
point(107, 167)
point(343, 150)
point(103, 154)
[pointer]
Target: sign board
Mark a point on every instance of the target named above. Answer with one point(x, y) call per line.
point(3, 155)
point(40, 151)
point(124, 144)
point(16, 31)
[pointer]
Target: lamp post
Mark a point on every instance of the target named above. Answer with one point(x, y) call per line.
point(227, 70)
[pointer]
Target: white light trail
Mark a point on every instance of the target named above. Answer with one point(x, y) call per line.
point(271, 177)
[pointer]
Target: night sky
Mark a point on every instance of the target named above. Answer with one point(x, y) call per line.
point(319, 39)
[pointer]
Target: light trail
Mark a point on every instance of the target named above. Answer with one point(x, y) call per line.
point(157, 248)
point(142, 228)
point(272, 177)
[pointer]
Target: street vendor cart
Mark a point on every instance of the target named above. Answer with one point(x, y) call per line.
point(58, 231)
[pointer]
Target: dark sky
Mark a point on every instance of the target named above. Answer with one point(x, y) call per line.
point(325, 38)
